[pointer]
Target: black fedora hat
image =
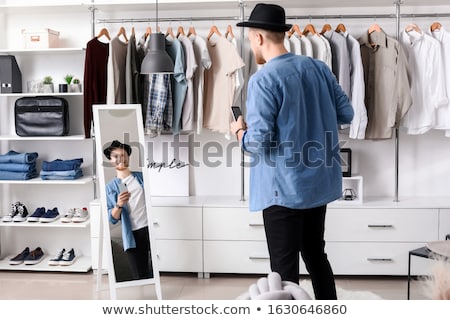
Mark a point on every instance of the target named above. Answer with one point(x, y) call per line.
point(267, 16)
point(116, 145)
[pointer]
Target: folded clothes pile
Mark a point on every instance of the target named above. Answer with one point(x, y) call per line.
point(62, 169)
point(18, 166)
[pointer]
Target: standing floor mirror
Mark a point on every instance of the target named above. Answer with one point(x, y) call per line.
point(123, 123)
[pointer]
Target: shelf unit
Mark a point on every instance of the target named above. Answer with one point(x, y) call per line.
point(34, 193)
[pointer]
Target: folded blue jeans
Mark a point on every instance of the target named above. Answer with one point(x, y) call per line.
point(16, 157)
point(62, 165)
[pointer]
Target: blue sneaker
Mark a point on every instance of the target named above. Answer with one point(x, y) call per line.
point(50, 216)
point(20, 258)
point(35, 256)
point(68, 258)
point(38, 213)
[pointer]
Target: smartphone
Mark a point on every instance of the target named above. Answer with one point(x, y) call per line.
point(122, 187)
point(236, 112)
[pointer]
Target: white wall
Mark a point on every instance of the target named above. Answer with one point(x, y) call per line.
point(424, 169)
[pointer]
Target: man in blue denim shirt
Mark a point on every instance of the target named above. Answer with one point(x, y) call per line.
point(129, 207)
point(294, 106)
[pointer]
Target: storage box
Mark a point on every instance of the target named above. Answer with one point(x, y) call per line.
point(10, 75)
point(40, 39)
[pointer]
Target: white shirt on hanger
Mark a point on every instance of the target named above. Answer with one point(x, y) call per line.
point(295, 45)
point(428, 90)
point(443, 113)
point(307, 49)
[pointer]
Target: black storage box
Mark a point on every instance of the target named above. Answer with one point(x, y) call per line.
point(10, 75)
point(41, 116)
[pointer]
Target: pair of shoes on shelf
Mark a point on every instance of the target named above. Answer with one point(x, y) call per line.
point(18, 213)
point(63, 258)
point(28, 257)
point(75, 215)
point(41, 215)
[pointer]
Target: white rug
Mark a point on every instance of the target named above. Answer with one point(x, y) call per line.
point(343, 294)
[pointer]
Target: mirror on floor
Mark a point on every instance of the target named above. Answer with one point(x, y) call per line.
point(125, 197)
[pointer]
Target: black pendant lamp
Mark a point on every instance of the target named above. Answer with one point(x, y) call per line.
point(157, 60)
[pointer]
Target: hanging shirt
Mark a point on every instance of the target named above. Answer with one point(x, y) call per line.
point(203, 62)
point(133, 67)
point(340, 59)
point(387, 85)
point(319, 47)
point(187, 114)
point(287, 44)
point(307, 49)
point(220, 84)
point(95, 79)
point(443, 113)
point(119, 62)
point(428, 89)
point(179, 82)
point(295, 45)
point(357, 89)
point(328, 52)
point(239, 78)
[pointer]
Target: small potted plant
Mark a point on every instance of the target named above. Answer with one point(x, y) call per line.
point(63, 87)
point(75, 86)
point(47, 85)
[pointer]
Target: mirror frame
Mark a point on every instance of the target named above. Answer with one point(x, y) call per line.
point(113, 284)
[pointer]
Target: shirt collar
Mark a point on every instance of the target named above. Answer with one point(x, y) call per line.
point(377, 38)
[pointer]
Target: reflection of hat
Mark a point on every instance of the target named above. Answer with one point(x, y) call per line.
point(116, 145)
point(267, 16)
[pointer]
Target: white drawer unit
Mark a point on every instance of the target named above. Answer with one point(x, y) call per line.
point(232, 224)
point(180, 255)
point(386, 225)
point(373, 258)
point(178, 234)
point(236, 257)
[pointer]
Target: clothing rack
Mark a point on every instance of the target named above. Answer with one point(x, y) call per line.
point(398, 16)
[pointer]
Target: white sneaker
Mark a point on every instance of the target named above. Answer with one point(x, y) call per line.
point(81, 215)
point(69, 215)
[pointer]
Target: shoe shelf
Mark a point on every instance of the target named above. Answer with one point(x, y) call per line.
point(81, 264)
point(80, 181)
point(55, 224)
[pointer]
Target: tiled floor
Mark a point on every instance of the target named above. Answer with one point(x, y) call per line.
point(72, 286)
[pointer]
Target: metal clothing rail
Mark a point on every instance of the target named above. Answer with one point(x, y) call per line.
point(294, 17)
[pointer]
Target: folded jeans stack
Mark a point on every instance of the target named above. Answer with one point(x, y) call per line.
point(62, 169)
point(18, 166)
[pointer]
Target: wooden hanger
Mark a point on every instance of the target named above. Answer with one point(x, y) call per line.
point(326, 27)
point(374, 28)
point(191, 31)
point(212, 31)
point(309, 29)
point(123, 33)
point(413, 27)
point(148, 32)
point(295, 29)
point(435, 26)
point(229, 32)
point(341, 28)
point(104, 32)
point(169, 32)
point(180, 31)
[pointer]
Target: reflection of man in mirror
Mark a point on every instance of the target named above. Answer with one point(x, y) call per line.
point(126, 203)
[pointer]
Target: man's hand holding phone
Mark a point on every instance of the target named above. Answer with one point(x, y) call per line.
point(239, 124)
point(123, 196)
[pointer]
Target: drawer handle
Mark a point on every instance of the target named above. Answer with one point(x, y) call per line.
point(384, 226)
point(258, 258)
point(256, 224)
point(380, 259)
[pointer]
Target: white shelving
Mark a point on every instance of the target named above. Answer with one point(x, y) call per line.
point(34, 193)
